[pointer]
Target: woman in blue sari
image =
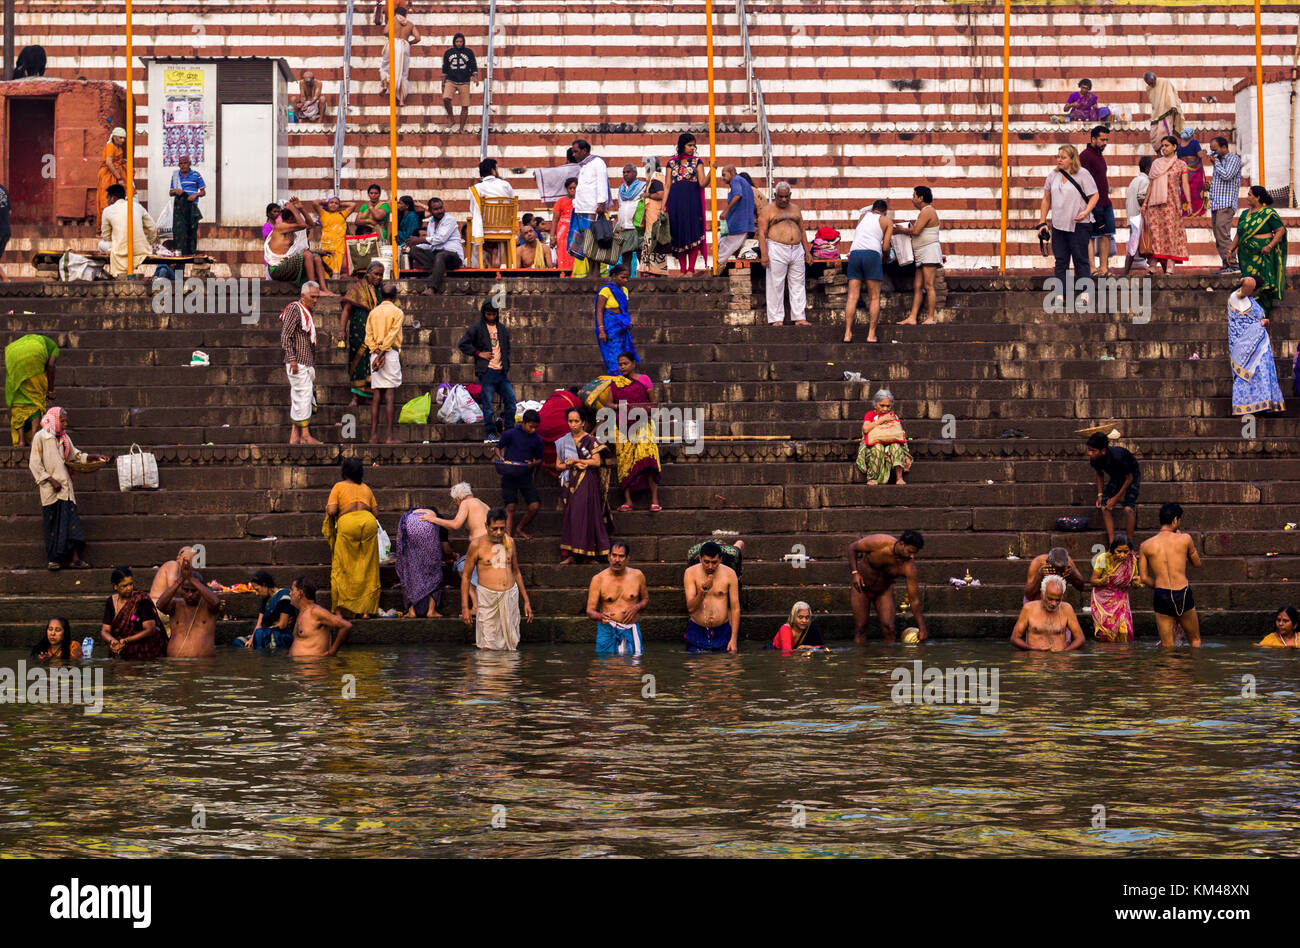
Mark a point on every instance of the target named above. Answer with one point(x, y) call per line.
point(1254, 374)
point(613, 321)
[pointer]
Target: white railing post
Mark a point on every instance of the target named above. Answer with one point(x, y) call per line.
point(487, 84)
point(340, 128)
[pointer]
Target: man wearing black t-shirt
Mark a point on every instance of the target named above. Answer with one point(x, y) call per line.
point(459, 70)
point(1118, 480)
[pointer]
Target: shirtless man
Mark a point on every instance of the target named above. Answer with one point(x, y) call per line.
point(313, 633)
point(1162, 563)
point(1055, 562)
point(713, 601)
point(1048, 624)
point(471, 514)
point(883, 561)
point(193, 615)
point(405, 35)
point(493, 558)
point(169, 572)
point(614, 600)
point(781, 237)
point(286, 254)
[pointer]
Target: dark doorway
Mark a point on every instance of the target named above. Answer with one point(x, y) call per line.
point(31, 160)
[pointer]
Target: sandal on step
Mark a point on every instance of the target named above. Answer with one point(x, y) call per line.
point(625, 508)
point(655, 508)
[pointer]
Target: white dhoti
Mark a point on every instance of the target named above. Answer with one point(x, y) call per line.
point(1134, 235)
point(389, 374)
point(785, 267)
point(302, 393)
point(729, 246)
point(403, 50)
point(496, 623)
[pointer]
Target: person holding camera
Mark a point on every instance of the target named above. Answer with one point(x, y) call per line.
point(1069, 195)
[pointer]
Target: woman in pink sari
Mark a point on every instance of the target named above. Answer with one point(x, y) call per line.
point(1112, 575)
point(1162, 213)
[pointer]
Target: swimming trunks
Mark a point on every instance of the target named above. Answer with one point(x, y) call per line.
point(618, 638)
point(700, 639)
point(1173, 602)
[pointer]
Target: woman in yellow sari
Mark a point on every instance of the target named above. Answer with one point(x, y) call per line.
point(29, 382)
point(333, 215)
point(112, 170)
point(353, 533)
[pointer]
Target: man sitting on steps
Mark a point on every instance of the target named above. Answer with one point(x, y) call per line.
point(285, 251)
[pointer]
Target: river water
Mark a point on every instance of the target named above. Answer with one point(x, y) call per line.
point(753, 754)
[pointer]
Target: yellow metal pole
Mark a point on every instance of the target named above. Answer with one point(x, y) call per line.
point(130, 153)
point(1259, 96)
point(713, 145)
point(392, 139)
point(1006, 110)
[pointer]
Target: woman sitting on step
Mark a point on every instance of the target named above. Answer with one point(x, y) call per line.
point(353, 533)
point(884, 443)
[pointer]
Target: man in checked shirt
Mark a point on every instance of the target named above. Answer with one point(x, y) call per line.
point(298, 339)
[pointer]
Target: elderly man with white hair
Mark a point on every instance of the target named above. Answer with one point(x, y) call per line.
point(298, 340)
point(1048, 624)
point(784, 252)
point(471, 514)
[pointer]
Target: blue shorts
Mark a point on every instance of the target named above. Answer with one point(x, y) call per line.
point(268, 639)
point(1103, 221)
point(614, 640)
point(866, 265)
point(460, 568)
point(700, 639)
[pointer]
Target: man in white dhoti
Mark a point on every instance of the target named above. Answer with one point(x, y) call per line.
point(405, 36)
point(499, 587)
point(298, 340)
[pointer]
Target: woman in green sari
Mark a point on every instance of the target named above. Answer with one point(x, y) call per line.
point(29, 382)
point(357, 304)
point(1260, 246)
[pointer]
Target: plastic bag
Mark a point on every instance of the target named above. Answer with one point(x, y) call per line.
point(459, 407)
point(164, 221)
point(416, 411)
point(73, 266)
point(521, 407)
point(385, 547)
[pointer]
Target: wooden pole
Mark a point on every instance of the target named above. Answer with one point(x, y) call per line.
point(1006, 114)
point(392, 139)
point(1259, 97)
point(130, 152)
point(713, 144)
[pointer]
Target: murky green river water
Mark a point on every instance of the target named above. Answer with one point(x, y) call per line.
point(749, 755)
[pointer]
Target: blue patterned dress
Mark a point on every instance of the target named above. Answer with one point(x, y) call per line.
point(1254, 374)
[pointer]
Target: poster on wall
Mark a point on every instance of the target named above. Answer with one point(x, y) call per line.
point(182, 116)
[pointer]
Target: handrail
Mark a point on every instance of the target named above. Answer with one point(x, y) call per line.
point(340, 128)
point(487, 83)
point(756, 102)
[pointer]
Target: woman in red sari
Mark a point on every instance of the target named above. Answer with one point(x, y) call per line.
point(563, 212)
point(131, 626)
point(1162, 213)
point(587, 520)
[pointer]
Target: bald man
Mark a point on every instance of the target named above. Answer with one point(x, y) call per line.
point(739, 214)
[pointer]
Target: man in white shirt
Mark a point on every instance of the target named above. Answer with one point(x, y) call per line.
point(1134, 196)
point(440, 250)
point(489, 186)
point(113, 232)
point(591, 198)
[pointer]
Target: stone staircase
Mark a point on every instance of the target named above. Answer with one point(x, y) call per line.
point(993, 363)
point(865, 100)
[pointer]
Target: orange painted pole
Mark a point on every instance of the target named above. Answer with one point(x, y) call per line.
point(713, 145)
point(392, 140)
point(1259, 96)
point(1006, 114)
point(130, 153)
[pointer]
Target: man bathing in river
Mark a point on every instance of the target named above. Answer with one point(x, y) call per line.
point(876, 562)
point(1048, 624)
point(713, 600)
point(313, 633)
point(615, 599)
point(193, 610)
point(499, 587)
point(1055, 562)
point(1162, 562)
point(471, 514)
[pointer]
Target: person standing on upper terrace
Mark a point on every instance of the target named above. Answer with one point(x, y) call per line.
point(688, 175)
point(1103, 212)
point(1225, 195)
point(459, 71)
point(187, 187)
point(1069, 195)
point(1166, 110)
point(112, 170)
point(1162, 214)
point(298, 340)
point(739, 214)
point(405, 36)
point(113, 230)
point(783, 253)
point(491, 185)
point(1260, 244)
point(591, 197)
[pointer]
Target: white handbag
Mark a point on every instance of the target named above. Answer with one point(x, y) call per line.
point(137, 470)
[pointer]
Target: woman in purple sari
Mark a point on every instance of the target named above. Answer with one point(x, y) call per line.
point(1193, 156)
point(1082, 105)
point(419, 562)
point(587, 520)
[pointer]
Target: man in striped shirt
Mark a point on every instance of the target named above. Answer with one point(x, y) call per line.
point(298, 340)
point(1225, 195)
